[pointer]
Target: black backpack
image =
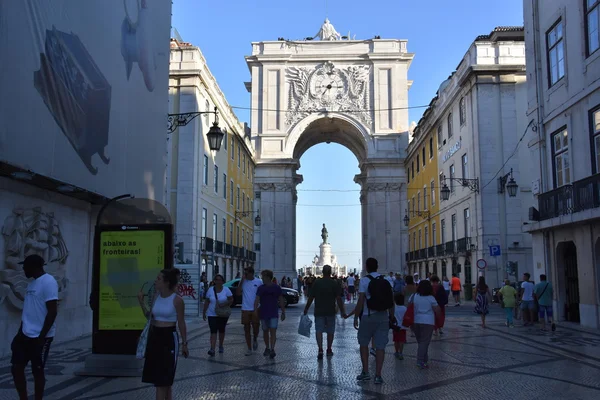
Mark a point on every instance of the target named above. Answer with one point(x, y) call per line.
point(382, 295)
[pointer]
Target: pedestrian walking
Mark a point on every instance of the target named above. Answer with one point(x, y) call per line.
point(482, 299)
point(442, 299)
point(425, 310)
point(248, 288)
point(325, 293)
point(390, 278)
point(268, 297)
point(376, 298)
point(508, 301)
point(543, 296)
point(399, 331)
point(456, 288)
point(351, 287)
point(217, 309)
point(410, 288)
point(399, 284)
point(446, 285)
point(33, 339)
point(527, 303)
point(162, 347)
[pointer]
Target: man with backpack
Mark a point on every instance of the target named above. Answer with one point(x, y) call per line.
point(375, 309)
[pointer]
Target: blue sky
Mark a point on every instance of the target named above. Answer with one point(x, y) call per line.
point(439, 32)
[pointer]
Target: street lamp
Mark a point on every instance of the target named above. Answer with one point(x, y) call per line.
point(244, 214)
point(215, 134)
point(472, 184)
point(406, 219)
point(445, 192)
point(257, 220)
point(510, 184)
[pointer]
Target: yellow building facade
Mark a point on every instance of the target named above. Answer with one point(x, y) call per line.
point(424, 235)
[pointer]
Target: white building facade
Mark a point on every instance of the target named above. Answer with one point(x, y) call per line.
point(478, 117)
point(563, 69)
point(203, 194)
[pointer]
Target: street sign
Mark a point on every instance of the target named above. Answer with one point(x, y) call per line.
point(495, 251)
point(481, 263)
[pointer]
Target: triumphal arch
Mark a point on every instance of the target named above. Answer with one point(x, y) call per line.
point(330, 88)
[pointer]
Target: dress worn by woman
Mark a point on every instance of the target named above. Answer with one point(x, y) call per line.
point(163, 344)
point(481, 301)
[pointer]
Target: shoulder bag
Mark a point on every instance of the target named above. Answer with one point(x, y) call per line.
point(143, 340)
point(221, 311)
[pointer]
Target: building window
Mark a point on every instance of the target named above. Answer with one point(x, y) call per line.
point(440, 136)
point(418, 164)
point(224, 230)
point(413, 205)
point(432, 193)
point(244, 164)
point(237, 234)
point(595, 130)
point(225, 186)
point(431, 147)
point(205, 172)
point(408, 175)
point(556, 53)
point(419, 201)
point(414, 241)
point(560, 158)
point(466, 216)
point(592, 21)
point(441, 183)
point(449, 125)
point(216, 179)
point(433, 234)
point(465, 173)
point(452, 173)
point(239, 156)
point(425, 203)
point(423, 156)
point(426, 236)
point(204, 221)
point(238, 199)
point(214, 232)
point(243, 202)
point(225, 138)
point(251, 205)
point(243, 237)
point(443, 231)
point(420, 243)
point(231, 192)
point(453, 227)
point(232, 147)
point(412, 170)
point(409, 205)
point(462, 111)
point(231, 232)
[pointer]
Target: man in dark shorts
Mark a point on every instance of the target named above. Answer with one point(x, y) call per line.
point(351, 286)
point(32, 342)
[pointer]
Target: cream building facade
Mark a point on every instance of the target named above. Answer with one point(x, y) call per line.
point(563, 69)
point(204, 194)
point(478, 118)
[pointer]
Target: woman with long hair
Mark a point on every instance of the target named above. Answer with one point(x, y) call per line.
point(481, 300)
point(425, 310)
point(218, 296)
point(162, 349)
point(442, 299)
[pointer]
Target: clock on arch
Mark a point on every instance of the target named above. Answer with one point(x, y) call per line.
point(328, 84)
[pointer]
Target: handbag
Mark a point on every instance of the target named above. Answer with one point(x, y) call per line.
point(143, 340)
point(221, 311)
point(409, 315)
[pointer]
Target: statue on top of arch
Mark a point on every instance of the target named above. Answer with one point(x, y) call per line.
point(328, 32)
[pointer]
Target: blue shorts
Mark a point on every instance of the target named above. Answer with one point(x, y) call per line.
point(375, 326)
point(325, 324)
point(545, 310)
point(270, 323)
point(527, 305)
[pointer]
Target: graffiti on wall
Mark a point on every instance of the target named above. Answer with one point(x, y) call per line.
point(186, 286)
point(26, 232)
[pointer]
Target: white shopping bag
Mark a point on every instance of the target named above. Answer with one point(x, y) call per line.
point(305, 325)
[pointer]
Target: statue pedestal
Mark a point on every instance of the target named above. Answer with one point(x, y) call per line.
point(325, 254)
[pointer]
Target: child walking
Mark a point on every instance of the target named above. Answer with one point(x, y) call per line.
point(269, 296)
point(399, 331)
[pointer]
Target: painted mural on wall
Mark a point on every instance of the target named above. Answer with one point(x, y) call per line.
point(25, 232)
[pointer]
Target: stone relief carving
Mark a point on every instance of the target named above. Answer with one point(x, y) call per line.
point(31, 231)
point(327, 88)
point(382, 187)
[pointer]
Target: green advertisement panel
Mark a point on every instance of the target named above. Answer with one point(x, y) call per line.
point(129, 260)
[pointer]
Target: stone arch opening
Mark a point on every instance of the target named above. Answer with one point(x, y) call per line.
point(568, 280)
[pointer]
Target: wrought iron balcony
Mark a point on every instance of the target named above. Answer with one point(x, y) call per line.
point(581, 195)
point(439, 250)
point(449, 247)
point(228, 249)
point(218, 247)
point(422, 254)
point(207, 244)
point(463, 245)
point(431, 252)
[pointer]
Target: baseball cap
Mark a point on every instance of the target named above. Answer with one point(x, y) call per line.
point(33, 260)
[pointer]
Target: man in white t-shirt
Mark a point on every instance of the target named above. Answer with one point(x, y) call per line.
point(390, 278)
point(351, 287)
point(32, 342)
point(247, 289)
point(527, 303)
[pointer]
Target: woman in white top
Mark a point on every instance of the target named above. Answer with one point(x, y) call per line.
point(217, 296)
point(162, 347)
point(426, 308)
point(446, 284)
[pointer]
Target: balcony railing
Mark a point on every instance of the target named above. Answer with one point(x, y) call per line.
point(439, 250)
point(228, 249)
point(463, 245)
point(431, 251)
point(581, 195)
point(422, 254)
point(218, 247)
point(208, 245)
point(449, 247)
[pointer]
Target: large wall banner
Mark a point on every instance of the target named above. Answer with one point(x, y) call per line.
point(84, 91)
point(130, 260)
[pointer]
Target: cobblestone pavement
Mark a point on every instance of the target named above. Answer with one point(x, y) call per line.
point(467, 362)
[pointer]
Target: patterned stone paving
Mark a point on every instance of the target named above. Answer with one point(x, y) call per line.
point(468, 362)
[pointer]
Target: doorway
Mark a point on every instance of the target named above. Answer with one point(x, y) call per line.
point(566, 255)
